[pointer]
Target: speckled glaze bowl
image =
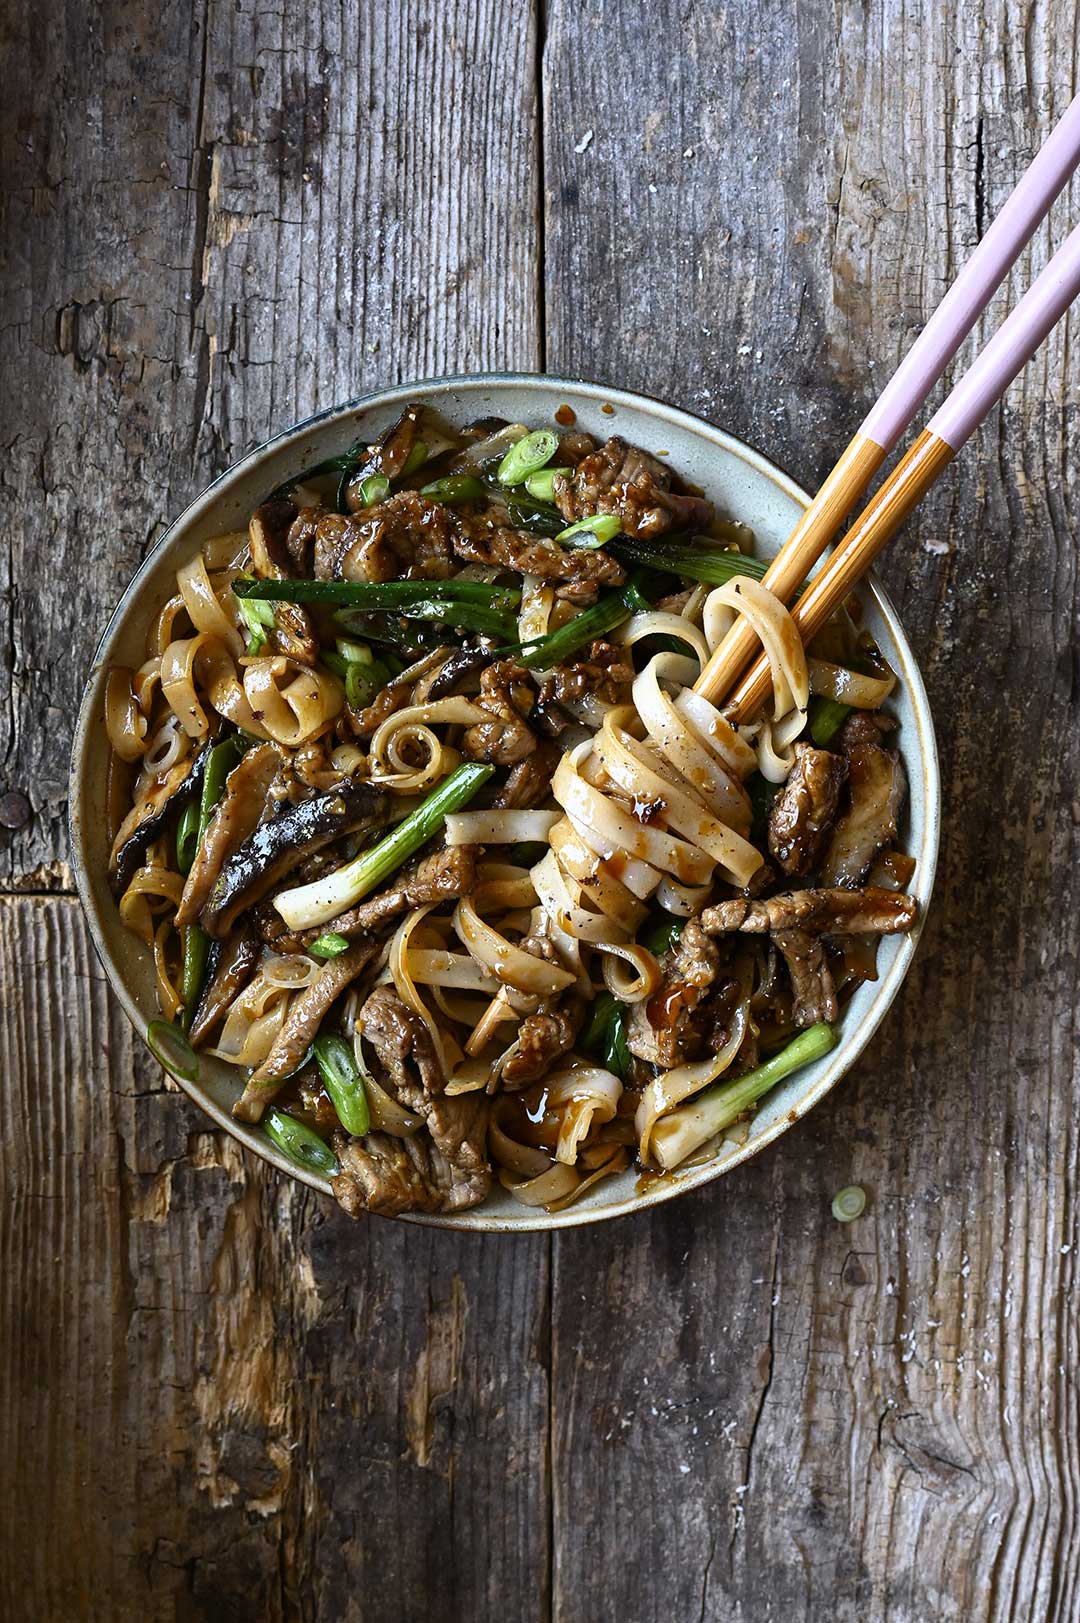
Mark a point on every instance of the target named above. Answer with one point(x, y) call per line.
point(744, 486)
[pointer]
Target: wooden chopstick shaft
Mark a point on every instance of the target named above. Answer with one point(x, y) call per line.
point(838, 495)
point(878, 522)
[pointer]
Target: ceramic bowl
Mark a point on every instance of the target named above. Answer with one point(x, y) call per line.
point(744, 486)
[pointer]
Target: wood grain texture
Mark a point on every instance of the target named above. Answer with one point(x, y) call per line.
point(808, 1420)
point(220, 1399)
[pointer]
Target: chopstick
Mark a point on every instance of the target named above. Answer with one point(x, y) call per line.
point(909, 386)
point(980, 388)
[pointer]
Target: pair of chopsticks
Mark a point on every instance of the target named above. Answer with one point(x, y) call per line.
point(981, 386)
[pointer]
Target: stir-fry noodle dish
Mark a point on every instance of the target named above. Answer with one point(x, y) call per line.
point(430, 835)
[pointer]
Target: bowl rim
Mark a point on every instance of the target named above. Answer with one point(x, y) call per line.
point(847, 1050)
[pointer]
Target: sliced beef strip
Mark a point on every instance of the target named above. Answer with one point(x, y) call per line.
point(301, 1027)
point(507, 693)
point(811, 978)
point(529, 782)
point(400, 691)
point(667, 1029)
point(280, 845)
point(443, 1170)
point(607, 673)
point(486, 538)
point(230, 965)
point(234, 817)
point(877, 783)
point(406, 537)
point(623, 479)
point(443, 876)
point(300, 538)
point(542, 1038)
point(146, 821)
point(864, 727)
point(804, 810)
point(825, 912)
point(403, 1046)
point(268, 534)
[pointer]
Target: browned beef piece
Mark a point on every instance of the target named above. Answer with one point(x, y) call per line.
point(825, 912)
point(529, 782)
point(268, 538)
point(803, 811)
point(607, 673)
point(441, 877)
point(622, 479)
point(667, 1029)
point(508, 695)
point(403, 1046)
point(811, 979)
point(408, 687)
point(229, 968)
point(878, 784)
point(300, 538)
point(301, 1028)
point(406, 537)
point(443, 1170)
point(542, 1038)
point(573, 448)
point(486, 538)
point(864, 727)
point(234, 817)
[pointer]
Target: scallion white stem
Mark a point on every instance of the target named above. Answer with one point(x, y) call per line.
point(324, 899)
point(686, 1129)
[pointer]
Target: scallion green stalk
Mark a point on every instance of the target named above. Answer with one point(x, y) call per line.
point(330, 945)
point(589, 533)
point(710, 564)
point(344, 1083)
point(393, 596)
point(306, 906)
point(457, 487)
point(683, 1131)
point(171, 1048)
point(542, 484)
point(827, 716)
point(300, 1142)
point(527, 456)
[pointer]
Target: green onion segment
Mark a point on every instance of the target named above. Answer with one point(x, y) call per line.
point(589, 533)
point(171, 1048)
point(306, 906)
point(330, 945)
point(300, 1142)
point(849, 1203)
point(527, 456)
point(344, 1083)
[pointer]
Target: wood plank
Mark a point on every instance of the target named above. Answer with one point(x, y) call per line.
point(805, 1420)
point(222, 1399)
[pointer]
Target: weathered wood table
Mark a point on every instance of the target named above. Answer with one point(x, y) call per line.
point(220, 1399)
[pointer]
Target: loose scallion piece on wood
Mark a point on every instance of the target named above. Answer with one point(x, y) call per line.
point(589, 533)
point(683, 1131)
point(849, 1203)
point(330, 945)
point(344, 1083)
point(457, 487)
point(376, 596)
point(300, 1142)
point(712, 565)
point(827, 716)
point(542, 484)
point(187, 836)
point(171, 1048)
point(306, 906)
point(527, 456)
